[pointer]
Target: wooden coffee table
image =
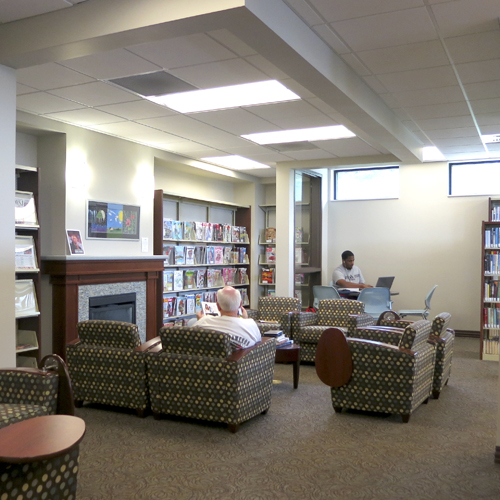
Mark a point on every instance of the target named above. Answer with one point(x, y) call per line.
point(290, 354)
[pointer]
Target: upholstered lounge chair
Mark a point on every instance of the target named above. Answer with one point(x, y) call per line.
point(31, 392)
point(195, 373)
point(107, 365)
point(442, 336)
point(382, 377)
point(307, 327)
point(276, 311)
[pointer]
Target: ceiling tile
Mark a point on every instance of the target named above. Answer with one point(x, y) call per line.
point(438, 110)
point(50, 76)
point(356, 64)
point(443, 123)
point(232, 42)
point(112, 64)
point(313, 154)
point(490, 129)
point(459, 141)
point(137, 110)
point(428, 78)
point(347, 147)
point(95, 94)
point(413, 56)
point(41, 103)
point(85, 116)
point(484, 90)
point(484, 119)
point(477, 47)
point(220, 74)
point(19, 9)
point(183, 51)
point(422, 97)
point(268, 68)
point(452, 133)
point(486, 105)
point(386, 30)
point(237, 121)
point(24, 89)
point(480, 71)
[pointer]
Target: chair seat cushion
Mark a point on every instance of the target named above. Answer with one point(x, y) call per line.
point(311, 334)
point(12, 413)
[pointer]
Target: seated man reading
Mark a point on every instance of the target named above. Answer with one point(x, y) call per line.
point(347, 275)
point(243, 331)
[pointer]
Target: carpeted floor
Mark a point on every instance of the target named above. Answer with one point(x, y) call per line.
point(302, 450)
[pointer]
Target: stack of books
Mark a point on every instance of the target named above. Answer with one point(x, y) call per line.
point(281, 339)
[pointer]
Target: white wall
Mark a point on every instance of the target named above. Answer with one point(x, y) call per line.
point(424, 238)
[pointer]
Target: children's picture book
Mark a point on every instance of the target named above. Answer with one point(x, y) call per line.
point(168, 281)
point(235, 234)
point(200, 255)
point(208, 230)
point(243, 235)
point(227, 255)
point(298, 235)
point(200, 278)
point(169, 251)
point(180, 306)
point(227, 233)
point(271, 255)
point(180, 259)
point(242, 256)
point(25, 210)
point(243, 276)
point(168, 306)
point(210, 255)
point(218, 255)
point(198, 301)
point(267, 276)
point(178, 280)
point(218, 232)
point(210, 308)
point(189, 231)
point(177, 230)
point(25, 253)
point(189, 279)
point(190, 304)
point(189, 255)
point(270, 235)
point(168, 231)
point(199, 230)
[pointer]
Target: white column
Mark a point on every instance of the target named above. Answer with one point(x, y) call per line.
point(7, 188)
point(285, 229)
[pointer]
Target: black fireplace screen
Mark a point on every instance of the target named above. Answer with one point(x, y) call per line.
point(119, 307)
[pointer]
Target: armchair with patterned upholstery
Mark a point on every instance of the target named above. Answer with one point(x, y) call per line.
point(307, 327)
point(32, 392)
point(382, 378)
point(195, 373)
point(273, 313)
point(442, 336)
point(107, 365)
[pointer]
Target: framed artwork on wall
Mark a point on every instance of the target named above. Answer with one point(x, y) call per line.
point(112, 221)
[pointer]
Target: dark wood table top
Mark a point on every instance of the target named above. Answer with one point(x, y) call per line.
point(40, 438)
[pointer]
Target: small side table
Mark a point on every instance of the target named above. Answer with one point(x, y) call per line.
point(290, 354)
point(42, 448)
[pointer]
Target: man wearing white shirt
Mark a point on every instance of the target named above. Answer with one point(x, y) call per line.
point(347, 275)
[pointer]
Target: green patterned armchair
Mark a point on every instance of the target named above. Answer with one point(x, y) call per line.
point(273, 313)
point(442, 337)
point(384, 378)
point(196, 374)
point(107, 365)
point(31, 392)
point(307, 327)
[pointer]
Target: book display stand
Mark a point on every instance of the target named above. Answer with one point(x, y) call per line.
point(27, 262)
point(206, 246)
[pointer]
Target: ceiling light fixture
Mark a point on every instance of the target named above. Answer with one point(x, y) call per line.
point(301, 134)
point(432, 153)
point(234, 96)
point(490, 138)
point(235, 162)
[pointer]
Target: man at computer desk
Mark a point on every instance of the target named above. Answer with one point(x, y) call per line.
point(347, 275)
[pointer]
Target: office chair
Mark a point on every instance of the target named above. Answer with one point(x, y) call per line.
point(420, 312)
point(376, 300)
point(321, 292)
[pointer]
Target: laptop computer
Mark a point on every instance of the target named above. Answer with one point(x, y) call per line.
point(385, 282)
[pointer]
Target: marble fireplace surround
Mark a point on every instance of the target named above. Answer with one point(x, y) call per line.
point(75, 278)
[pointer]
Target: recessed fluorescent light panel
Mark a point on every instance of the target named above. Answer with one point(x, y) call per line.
point(301, 134)
point(246, 94)
point(235, 162)
point(432, 153)
point(490, 138)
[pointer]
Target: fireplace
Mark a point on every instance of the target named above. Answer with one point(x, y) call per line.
point(119, 307)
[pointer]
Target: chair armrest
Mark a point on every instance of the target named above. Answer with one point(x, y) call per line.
point(239, 354)
point(286, 323)
point(300, 319)
point(253, 314)
point(358, 321)
point(383, 334)
point(147, 346)
point(398, 323)
point(73, 342)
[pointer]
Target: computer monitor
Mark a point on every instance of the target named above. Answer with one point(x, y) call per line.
point(385, 282)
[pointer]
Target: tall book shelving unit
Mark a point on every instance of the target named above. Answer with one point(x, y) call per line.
point(267, 265)
point(184, 209)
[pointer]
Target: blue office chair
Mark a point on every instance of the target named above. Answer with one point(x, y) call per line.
point(321, 292)
point(376, 300)
point(420, 312)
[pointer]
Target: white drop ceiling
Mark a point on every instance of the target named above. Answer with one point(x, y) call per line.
point(401, 74)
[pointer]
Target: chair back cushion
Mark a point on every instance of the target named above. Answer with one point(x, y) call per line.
point(272, 308)
point(440, 323)
point(336, 312)
point(415, 334)
point(109, 333)
point(195, 341)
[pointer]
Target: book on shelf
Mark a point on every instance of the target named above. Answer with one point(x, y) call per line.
point(210, 255)
point(168, 231)
point(189, 255)
point(168, 281)
point(25, 253)
point(180, 258)
point(271, 293)
point(243, 276)
point(177, 230)
point(200, 254)
point(210, 296)
point(25, 298)
point(244, 296)
point(201, 278)
point(271, 255)
point(169, 252)
point(178, 279)
point(198, 300)
point(208, 231)
point(235, 234)
point(299, 255)
point(218, 232)
point(243, 235)
point(227, 233)
point(190, 304)
point(242, 256)
point(189, 279)
point(298, 234)
point(270, 235)
point(199, 230)
point(298, 294)
point(267, 275)
point(189, 230)
point(227, 255)
point(218, 255)
point(180, 306)
point(25, 210)
point(299, 279)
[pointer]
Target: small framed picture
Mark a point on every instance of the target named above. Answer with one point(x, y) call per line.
point(75, 242)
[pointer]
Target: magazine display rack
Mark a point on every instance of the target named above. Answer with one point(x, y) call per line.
point(267, 254)
point(27, 263)
point(206, 246)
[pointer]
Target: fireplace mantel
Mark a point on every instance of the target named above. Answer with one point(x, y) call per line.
point(67, 273)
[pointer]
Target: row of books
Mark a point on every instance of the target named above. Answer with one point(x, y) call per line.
point(203, 231)
point(491, 291)
point(491, 316)
point(191, 303)
point(281, 339)
point(192, 255)
point(492, 263)
point(495, 213)
point(187, 279)
point(490, 346)
point(492, 237)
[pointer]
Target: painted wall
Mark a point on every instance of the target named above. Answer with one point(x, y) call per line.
point(424, 238)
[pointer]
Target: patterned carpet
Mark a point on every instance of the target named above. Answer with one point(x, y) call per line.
point(302, 450)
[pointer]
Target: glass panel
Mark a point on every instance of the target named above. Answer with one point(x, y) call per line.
point(366, 183)
point(475, 178)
